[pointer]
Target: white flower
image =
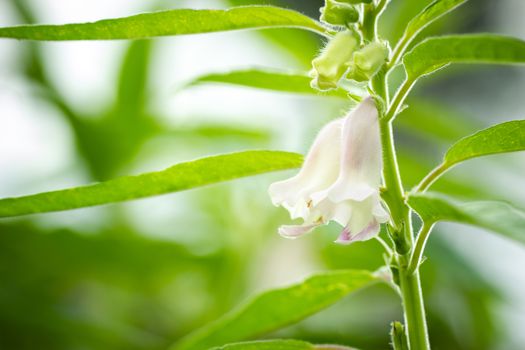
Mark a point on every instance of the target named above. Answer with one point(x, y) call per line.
point(339, 180)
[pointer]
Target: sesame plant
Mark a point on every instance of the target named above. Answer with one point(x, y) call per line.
point(349, 176)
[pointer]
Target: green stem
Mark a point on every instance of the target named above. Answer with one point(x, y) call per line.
point(431, 178)
point(398, 99)
point(371, 14)
point(410, 285)
point(368, 26)
point(379, 84)
point(385, 245)
point(399, 50)
point(415, 320)
point(394, 196)
point(419, 248)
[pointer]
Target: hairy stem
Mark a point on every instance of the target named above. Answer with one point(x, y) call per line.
point(399, 50)
point(399, 98)
point(371, 13)
point(393, 193)
point(410, 285)
point(431, 178)
point(413, 307)
point(394, 196)
point(419, 247)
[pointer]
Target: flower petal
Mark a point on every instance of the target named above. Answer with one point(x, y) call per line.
point(346, 237)
point(361, 159)
point(319, 171)
point(344, 190)
point(380, 213)
point(294, 231)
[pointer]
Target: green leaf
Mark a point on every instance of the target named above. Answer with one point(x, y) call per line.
point(171, 22)
point(268, 345)
point(435, 53)
point(179, 177)
point(216, 131)
point(429, 14)
point(279, 344)
point(432, 12)
point(267, 79)
point(498, 217)
point(132, 84)
point(127, 120)
point(277, 308)
point(501, 138)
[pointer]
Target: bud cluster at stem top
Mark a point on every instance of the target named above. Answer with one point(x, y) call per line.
point(345, 55)
point(330, 66)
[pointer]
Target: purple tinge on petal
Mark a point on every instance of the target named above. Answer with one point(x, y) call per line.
point(369, 232)
point(344, 237)
point(294, 231)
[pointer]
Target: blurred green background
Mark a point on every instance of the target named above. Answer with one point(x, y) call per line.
point(141, 275)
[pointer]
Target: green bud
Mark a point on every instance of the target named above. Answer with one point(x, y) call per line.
point(330, 66)
point(338, 14)
point(367, 61)
point(401, 246)
point(398, 336)
point(395, 275)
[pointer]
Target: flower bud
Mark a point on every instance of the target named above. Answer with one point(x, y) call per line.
point(367, 61)
point(338, 14)
point(330, 66)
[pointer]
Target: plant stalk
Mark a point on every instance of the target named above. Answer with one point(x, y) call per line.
point(431, 178)
point(394, 196)
point(398, 99)
point(413, 307)
point(419, 248)
point(410, 285)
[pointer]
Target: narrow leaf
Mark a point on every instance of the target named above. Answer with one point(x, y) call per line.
point(179, 177)
point(498, 217)
point(268, 345)
point(216, 131)
point(278, 308)
point(435, 53)
point(267, 79)
point(432, 12)
point(279, 344)
point(132, 84)
point(171, 22)
point(501, 138)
